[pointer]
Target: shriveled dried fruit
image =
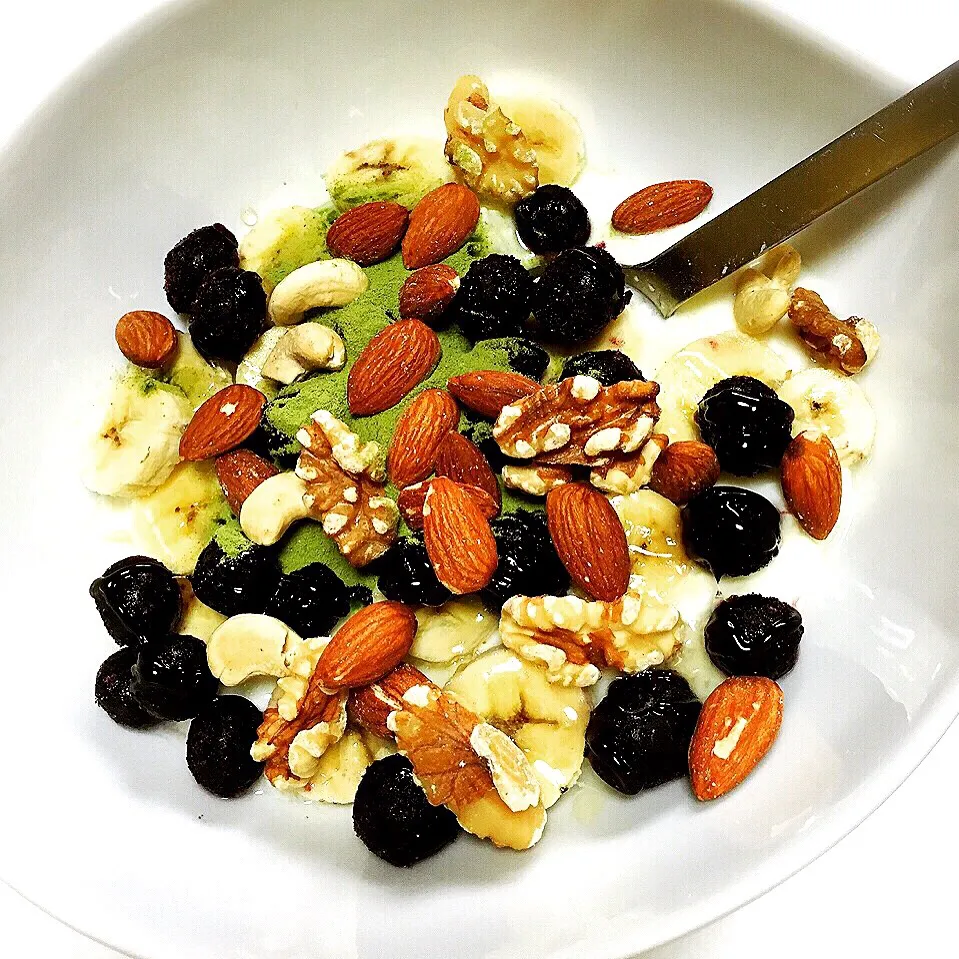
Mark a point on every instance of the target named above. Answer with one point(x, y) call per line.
point(849, 344)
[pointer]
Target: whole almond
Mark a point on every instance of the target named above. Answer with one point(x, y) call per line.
point(240, 472)
point(412, 499)
point(738, 724)
point(428, 292)
point(395, 361)
point(223, 422)
point(589, 539)
point(662, 205)
point(812, 482)
point(683, 470)
point(463, 462)
point(458, 537)
point(146, 338)
point(369, 706)
point(367, 646)
point(368, 233)
point(419, 432)
point(439, 225)
point(487, 391)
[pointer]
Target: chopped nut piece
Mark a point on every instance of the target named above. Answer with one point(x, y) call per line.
point(535, 480)
point(512, 774)
point(850, 344)
point(310, 346)
point(624, 474)
point(762, 297)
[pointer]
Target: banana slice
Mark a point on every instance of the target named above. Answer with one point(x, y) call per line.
point(554, 135)
point(197, 619)
point(453, 631)
point(194, 376)
point(249, 371)
point(547, 721)
point(339, 771)
point(833, 404)
point(688, 374)
point(401, 169)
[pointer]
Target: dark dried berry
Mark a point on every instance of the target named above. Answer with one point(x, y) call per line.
point(552, 218)
point(394, 819)
point(746, 423)
point(310, 600)
point(526, 358)
point(607, 366)
point(189, 263)
point(730, 530)
point(137, 599)
point(406, 575)
point(577, 295)
point(171, 678)
point(360, 596)
point(528, 563)
point(754, 635)
point(480, 432)
point(218, 746)
point(638, 736)
point(493, 298)
point(272, 443)
point(114, 691)
point(229, 312)
point(232, 583)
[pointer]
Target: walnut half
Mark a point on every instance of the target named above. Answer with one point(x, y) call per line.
point(849, 344)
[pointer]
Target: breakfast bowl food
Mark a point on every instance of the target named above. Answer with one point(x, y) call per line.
point(875, 650)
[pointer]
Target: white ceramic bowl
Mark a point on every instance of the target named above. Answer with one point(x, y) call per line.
point(211, 106)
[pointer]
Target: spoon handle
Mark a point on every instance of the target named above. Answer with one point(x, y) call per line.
point(886, 141)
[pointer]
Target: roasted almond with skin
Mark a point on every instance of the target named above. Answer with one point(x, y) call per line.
point(463, 462)
point(223, 422)
point(412, 499)
point(419, 432)
point(662, 205)
point(427, 293)
point(369, 706)
point(439, 225)
point(368, 233)
point(458, 537)
point(487, 391)
point(368, 645)
point(589, 539)
point(240, 472)
point(812, 482)
point(738, 724)
point(683, 470)
point(395, 361)
point(146, 338)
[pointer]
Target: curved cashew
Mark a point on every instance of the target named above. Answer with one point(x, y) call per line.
point(311, 346)
point(272, 508)
point(250, 644)
point(250, 369)
point(323, 283)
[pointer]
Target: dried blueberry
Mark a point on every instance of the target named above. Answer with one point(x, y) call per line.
point(578, 294)
point(528, 562)
point(394, 819)
point(406, 574)
point(746, 423)
point(360, 596)
point(228, 314)
point(232, 583)
point(137, 599)
point(638, 736)
point(552, 218)
point(197, 255)
point(218, 746)
point(732, 531)
point(754, 635)
point(310, 600)
point(527, 358)
point(607, 366)
point(171, 678)
point(493, 298)
point(114, 691)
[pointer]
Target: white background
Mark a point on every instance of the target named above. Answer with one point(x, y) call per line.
point(886, 890)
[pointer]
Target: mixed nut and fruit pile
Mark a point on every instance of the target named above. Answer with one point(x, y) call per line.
point(381, 471)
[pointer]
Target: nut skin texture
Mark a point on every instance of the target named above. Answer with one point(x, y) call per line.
point(224, 421)
point(812, 483)
point(394, 819)
point(239, 472)
point(494, 298)
point(731, 531)
point(146, 338)
point(754, 635)
point(310, 600)
point(552, 218)
point(197, 255)
point(406, 575)
point(228, 314)
point(487, 391)
point(607, 366)
point(463, 462)
point(138, 599)
point(171, 678)
point(419, 433)
point(242, 583)
point(369, 707)
point(368, 233)
point(114, 691)
point(428, 293)
point(662, 205)
point(218, 746)
point(439, 225)
point(638, 736)
point(684, 470)
point(590, 540)
point(412, 499)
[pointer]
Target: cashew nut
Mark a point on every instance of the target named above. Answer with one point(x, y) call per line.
point(311, 346)
point(250, 644)
point(323, 283)
point(250, 369)
point(273, 507)
point(762, 301)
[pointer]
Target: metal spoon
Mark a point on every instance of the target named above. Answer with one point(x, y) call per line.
point(886, 141)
